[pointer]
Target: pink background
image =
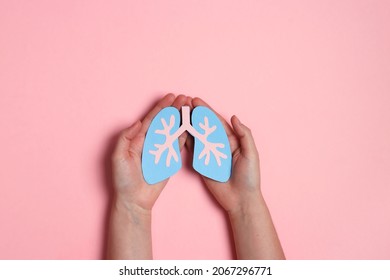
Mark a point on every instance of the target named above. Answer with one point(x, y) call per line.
point(311, 79)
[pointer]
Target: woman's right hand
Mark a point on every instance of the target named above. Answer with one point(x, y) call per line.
point(243, 187)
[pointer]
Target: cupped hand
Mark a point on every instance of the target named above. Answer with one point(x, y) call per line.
point(130, 187)
point(243, 187)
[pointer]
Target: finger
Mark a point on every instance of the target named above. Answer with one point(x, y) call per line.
point(179, 101)
point(199, 102)
point(190, 144)
point(125, 138)
point(183, 139)
point(189, 102)
point(166, 101)
point(247, 143)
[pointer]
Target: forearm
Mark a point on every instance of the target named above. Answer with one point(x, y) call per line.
point(255, 236)
point(129, 233)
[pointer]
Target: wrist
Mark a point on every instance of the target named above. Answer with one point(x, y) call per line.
point(130, 210)
point(251, 206)
point(129, 235)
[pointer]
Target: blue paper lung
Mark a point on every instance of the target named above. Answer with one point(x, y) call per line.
point(156, 170)
point(213, 160)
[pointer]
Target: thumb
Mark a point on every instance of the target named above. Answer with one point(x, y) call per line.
point(247, 143)
point(125, 138)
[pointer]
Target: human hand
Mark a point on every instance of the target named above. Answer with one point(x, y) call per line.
point(242, 190)
point(129, 235)
point(130, 231)
point(130, 188)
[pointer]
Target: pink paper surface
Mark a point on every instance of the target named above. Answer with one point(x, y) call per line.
point(310, 78)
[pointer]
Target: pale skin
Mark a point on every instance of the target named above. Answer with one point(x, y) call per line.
point(129, 235)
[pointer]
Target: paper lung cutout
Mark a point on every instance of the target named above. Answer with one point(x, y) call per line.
point(161, 154)
point(212, 155)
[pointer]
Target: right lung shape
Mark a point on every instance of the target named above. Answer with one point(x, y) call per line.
point(161, 154)
point(212, 154)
